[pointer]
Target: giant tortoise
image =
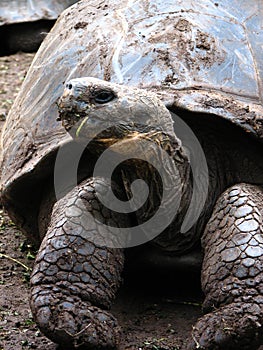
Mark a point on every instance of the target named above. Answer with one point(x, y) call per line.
point(140, 125)
point(24, 23)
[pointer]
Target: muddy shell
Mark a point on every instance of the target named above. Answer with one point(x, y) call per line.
point(200, 56)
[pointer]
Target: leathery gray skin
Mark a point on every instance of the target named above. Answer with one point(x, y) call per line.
point(74, 281)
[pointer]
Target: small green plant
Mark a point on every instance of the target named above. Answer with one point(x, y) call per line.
point(29, 322)
point(29, 249)
point(5, 222)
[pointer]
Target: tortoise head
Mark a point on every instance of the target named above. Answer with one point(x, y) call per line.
point(90, 107)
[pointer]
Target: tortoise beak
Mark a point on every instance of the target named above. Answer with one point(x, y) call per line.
point(66, 101)
point(73, 99)
point(71, 108)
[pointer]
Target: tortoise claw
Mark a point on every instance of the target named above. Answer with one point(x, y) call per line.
point(76, 325)
point(234, 326)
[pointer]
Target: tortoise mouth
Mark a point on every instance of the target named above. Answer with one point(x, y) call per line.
point(71, 118)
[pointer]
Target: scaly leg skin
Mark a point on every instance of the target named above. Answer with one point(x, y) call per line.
point(74, 280)
point(232, 273)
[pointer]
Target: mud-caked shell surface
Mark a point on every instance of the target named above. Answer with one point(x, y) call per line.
point(199, 56)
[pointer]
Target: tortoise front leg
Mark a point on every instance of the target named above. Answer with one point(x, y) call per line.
point(232, 274)
point(74, 281)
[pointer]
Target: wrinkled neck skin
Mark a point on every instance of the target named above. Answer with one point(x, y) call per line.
point(157, 158)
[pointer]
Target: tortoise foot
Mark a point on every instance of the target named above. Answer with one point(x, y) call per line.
point(75, 324)
point(232, 327)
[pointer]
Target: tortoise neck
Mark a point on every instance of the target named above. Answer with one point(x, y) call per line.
point(166, 170)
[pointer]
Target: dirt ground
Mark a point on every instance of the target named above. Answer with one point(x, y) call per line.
point(155, 313)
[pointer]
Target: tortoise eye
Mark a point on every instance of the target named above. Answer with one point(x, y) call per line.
point(104, 97)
